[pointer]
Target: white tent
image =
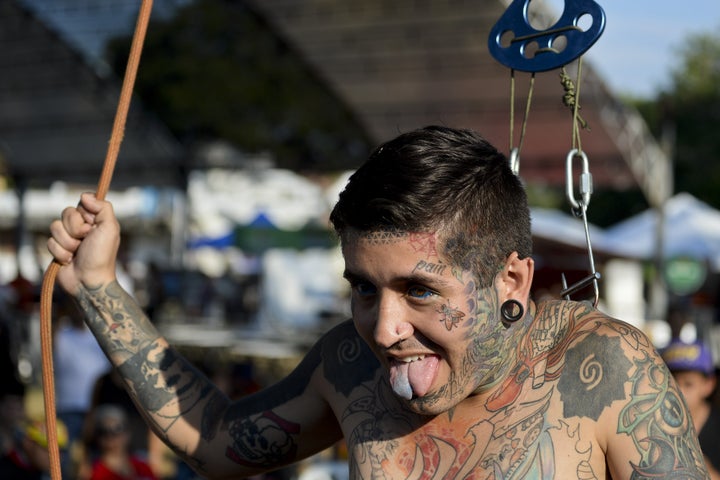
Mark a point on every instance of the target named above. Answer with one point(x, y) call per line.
point(556, 225)
point(692, 228)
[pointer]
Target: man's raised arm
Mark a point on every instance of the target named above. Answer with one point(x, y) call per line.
point(216, 437)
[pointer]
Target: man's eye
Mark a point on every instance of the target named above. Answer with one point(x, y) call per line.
point(419, 292)
point(365, 289)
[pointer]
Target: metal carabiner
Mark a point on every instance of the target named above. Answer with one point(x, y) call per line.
point(580, 209)
point(586, 184)
point(518, 53)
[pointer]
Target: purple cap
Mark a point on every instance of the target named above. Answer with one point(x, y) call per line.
point(680, 356)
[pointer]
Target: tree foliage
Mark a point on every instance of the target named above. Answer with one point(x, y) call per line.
point(689, 112)
point(215, 70)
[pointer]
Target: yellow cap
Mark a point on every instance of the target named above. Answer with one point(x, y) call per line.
point(35, 430)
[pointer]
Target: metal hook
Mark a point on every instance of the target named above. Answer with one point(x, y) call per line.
point(520, 54)
point(577, 286)
point(580, 209)
point(594, 275)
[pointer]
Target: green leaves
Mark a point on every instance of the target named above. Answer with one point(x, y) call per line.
point(216, 70)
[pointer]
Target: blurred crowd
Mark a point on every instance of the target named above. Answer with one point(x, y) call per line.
point(101, 435)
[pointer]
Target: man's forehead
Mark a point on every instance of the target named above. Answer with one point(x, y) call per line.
point(376, 237)
point(424, 244)
point(395, 255)
point(386, 235)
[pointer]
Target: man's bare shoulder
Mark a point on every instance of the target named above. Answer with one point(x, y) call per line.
point(568, 323)
point(593, 332)
point(593, 359)
point(345, 359)
point(610, 378)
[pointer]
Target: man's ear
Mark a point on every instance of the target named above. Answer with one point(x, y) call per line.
point(515, 280)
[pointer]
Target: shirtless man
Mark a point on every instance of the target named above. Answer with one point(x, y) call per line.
point(448, 369)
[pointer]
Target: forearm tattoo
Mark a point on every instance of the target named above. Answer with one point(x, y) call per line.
point(169, 387)
point(164, 383)
point(120, 325)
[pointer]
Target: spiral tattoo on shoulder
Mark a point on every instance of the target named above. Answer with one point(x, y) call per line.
point(594, 375)
point(347, 360)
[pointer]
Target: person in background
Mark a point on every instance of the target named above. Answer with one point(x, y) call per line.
point(12, 392)
point(112, 459)
point(28, 458)
point(108, 389)
point(694, 370)
point(78, 362)
point(12, 412)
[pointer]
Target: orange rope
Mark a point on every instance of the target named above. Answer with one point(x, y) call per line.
point(46, 293)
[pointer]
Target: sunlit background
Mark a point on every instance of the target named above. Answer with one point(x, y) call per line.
point(249, 116)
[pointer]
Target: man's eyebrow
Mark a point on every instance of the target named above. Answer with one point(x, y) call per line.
point(416, 277)
point(423, 278)
point(351, 277)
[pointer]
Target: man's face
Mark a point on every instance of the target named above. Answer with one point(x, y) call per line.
point(695, 387)
point(427, 321)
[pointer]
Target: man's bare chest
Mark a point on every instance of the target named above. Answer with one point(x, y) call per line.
point(529, 439)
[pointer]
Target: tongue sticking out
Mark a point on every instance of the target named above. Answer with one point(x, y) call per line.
point(416, 377)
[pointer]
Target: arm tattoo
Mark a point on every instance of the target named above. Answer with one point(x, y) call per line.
point(260, 437)
point(662, 431)
point(164, 383)
point(264, 440)
point(595, 373)
point(168, 387)
point(125, 330)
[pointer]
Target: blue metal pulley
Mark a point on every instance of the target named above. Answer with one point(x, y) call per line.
point(517, 45)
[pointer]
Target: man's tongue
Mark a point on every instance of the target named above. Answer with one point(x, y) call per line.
point(415, 377)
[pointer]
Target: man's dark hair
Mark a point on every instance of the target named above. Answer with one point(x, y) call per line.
point(447, 180)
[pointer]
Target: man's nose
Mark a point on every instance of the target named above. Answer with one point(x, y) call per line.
point(392, 323)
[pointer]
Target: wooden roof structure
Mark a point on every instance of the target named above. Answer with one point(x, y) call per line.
point(57, 112)
point(399, 64)
point(402, 64)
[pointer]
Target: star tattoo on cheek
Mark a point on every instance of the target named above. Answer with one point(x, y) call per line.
point(450, 315)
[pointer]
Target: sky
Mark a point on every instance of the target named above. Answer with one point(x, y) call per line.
point(638, 48)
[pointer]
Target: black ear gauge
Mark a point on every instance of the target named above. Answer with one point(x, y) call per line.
point(511, 311)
